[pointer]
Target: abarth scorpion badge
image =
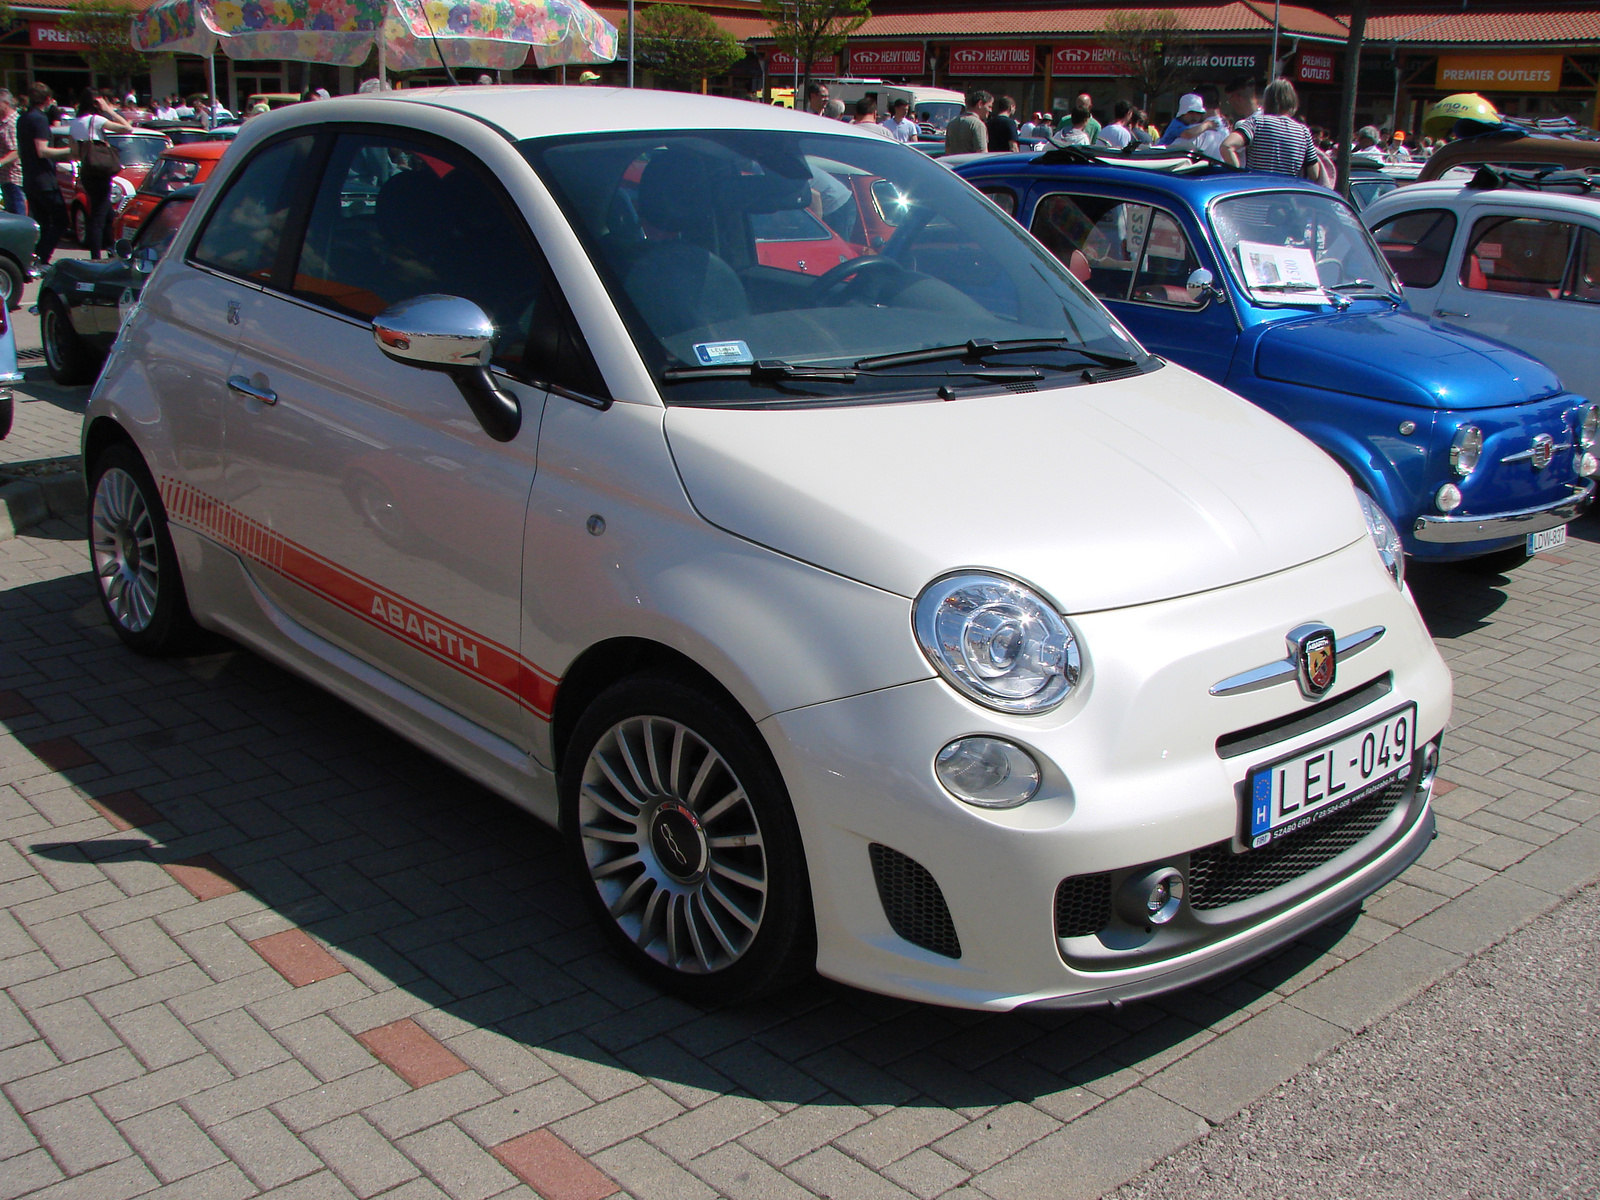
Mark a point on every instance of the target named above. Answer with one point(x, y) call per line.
point(1315, 655)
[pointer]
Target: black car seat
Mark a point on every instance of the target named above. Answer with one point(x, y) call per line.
point(679, 284)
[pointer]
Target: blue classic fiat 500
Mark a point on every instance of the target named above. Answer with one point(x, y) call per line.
point(1271, 287)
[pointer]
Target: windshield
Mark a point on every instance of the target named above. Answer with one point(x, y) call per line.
point(136, 151)
point(770, 265)
point(1295, 247)
point(169, 175)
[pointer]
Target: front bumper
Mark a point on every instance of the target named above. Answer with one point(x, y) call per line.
point(1456, 530)
point(1133, 775)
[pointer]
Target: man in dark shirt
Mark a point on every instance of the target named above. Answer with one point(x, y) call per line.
point(1002, 125)
point(38, 159)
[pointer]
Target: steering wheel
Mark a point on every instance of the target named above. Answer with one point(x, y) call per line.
point(1330, 271)
point(854, 274)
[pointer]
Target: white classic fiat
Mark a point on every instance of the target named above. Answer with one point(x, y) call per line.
point(753, 500)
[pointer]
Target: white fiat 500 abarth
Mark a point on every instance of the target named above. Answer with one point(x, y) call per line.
point(755, 501)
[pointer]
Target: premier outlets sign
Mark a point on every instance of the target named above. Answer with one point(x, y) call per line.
point(995, 61)
point(886, 60)
point(1314, 68)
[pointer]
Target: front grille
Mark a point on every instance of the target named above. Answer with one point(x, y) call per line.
point(913, 902)
point(1083, 905)
point(1219, 877)
point(1281, 729)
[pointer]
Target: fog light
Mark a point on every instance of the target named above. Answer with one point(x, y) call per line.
point(1153, 898)
point(1447, 498)
point(988, 772)
point(1430, 767)
point(1589, 466)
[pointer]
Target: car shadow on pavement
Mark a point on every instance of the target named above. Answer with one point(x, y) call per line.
point(420, 880)
point(38, 387)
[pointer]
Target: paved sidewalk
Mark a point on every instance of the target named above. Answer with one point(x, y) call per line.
point(251, 943)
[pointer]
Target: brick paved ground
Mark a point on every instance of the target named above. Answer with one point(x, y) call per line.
point(252, 944)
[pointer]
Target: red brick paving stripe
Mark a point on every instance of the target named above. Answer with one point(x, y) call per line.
point(1556, 560)
point(554, 1169)
point(203, 875)
point(1440, 787)
point(412, 1053)
point(13, 705)
point(297, 957)
point(125, 810)
point(61, 754)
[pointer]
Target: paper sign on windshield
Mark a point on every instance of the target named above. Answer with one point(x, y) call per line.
point(1267, 266)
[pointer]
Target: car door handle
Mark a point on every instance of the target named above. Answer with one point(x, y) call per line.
point(1445, 312)
point(243, 387)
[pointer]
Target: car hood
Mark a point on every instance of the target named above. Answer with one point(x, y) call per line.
point(1104, 495)
point(1399, 356)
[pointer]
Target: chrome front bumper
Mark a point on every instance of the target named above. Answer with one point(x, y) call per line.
point(1505, 525)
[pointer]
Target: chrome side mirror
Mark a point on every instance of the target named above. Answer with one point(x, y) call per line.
point(1201, 284)
point(145, 259)
point(453, 335)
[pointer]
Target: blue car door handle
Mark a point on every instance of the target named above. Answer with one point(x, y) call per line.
point(243, 387)
point(1445, 312)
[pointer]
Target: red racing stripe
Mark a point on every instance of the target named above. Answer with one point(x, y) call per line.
point(479, 658)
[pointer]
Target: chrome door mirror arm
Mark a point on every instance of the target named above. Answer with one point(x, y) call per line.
point(453, 335)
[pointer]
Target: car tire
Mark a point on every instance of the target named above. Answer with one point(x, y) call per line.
point(80, 225)
point(71, 360)
point(685, 845)
point(7, 409)
point(135, 565)
point(12, 281)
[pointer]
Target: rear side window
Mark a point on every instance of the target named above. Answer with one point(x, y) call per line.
point(245, 229)
point(1417, 245)
point(1519, 256)
point(1004, 197)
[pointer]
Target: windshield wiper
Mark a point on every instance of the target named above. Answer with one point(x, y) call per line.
point(1287, 287)
point(765, 369)
point(1365, 285)
point(978, 348)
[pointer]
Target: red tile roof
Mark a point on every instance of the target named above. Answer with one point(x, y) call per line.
point(1047, 22)
point(1486, 27)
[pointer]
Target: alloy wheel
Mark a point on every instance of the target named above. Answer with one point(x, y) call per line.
point(673, 844)
point(123, 542)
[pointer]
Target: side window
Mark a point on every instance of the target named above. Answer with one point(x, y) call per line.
point(243, 232)
point(1004, 197)
point(1100, 240)
point(1168, 262)
point(1519, 256)
point(395, 219)
point(1417, 244)
point(1584, 284)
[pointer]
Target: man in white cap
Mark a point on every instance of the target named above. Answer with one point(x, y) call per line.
point(1190, 123)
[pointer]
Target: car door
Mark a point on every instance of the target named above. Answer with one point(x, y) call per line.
point(372, 507)
point(1137, 258)
point(1508, 285)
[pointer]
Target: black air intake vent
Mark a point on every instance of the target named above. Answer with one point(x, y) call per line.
point(1083, 905)
point(913, 902)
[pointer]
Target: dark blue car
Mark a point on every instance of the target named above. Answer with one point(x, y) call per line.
point(1271, 287)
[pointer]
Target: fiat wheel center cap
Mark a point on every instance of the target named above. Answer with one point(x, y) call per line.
point(678, 841)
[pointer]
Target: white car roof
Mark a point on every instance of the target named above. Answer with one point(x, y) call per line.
point(1453, 194)
point(535, 111)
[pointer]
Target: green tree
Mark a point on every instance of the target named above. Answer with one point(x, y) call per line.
point(682, 45)
point(1153, 44)
point(813, 29)
point(105, 26)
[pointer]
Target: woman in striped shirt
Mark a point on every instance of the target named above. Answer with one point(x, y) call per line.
point(1272, 140)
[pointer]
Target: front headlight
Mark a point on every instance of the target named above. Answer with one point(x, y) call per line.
point(997, 641)
point(1385, 537)
point(1465, 450)
point(1588, 427)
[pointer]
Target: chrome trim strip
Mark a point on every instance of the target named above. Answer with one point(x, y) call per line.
point(1270, 674)
point(1528, 455)
point(1452, 530)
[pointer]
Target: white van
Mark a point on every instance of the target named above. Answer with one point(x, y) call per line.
point(932, 107)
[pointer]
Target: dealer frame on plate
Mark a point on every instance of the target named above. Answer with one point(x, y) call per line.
point(1279, 797)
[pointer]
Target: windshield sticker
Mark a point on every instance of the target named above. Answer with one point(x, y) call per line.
point(1275, 266)
point(722, 354)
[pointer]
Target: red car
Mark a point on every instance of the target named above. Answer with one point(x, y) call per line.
point(177, 167)
point(138, 151)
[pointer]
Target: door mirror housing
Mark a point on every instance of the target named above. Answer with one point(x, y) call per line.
point(1202, 284)
point(145, 259)
point(123, 248)
point(453, 335)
